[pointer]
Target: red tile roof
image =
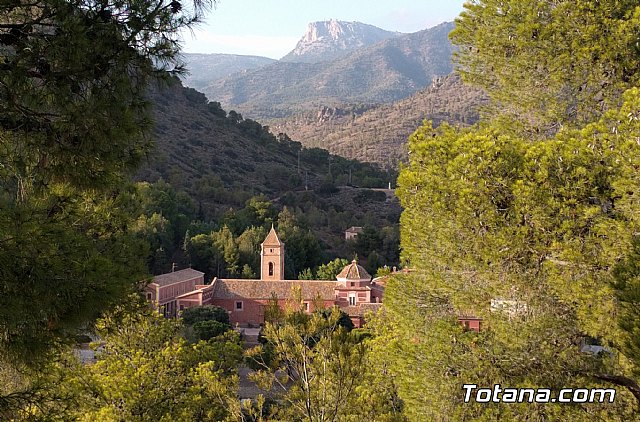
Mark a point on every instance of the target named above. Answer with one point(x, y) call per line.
point(272, 238)
point(354, 271)
point(354, 288)
point(176, 277)
point(263, 289)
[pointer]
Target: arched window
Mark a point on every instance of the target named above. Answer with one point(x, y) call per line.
point(270, 268)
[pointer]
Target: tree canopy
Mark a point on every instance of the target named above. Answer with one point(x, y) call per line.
point(528, 220)
point(549, 64)
point(73, 119)
point(320, 370)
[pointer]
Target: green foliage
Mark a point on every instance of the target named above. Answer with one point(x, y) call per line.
point(373, 262)
point(306, 274)
point(330, 270)
point(538, 229)
point(368, 241)
point(30, 394)
point(366, 196)
point(327, 186)
point(258, 212)
point(549, 64)
point(146, 372)
point(626, 275)
point(273, 313)
point(247, 272)
point(206, 330)
point(66, 256)
point(216, 253)
point(382, 271)
point(302, 247)
point(319, 370)
point(343, 318)
point(193, 315)
point(73, 119)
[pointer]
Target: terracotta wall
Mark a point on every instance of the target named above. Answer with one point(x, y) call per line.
point(252, 312)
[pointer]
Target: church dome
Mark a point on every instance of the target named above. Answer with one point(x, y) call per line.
point(354, 272)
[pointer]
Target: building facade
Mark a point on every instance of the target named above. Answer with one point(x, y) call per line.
point(172, 292)
point(352, 232)
point(245, 300)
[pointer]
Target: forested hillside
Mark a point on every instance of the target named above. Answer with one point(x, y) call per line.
point(217, 174)
point(221, 159)
point(379, 133)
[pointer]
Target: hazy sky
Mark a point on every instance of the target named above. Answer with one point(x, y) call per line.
point(273, 27)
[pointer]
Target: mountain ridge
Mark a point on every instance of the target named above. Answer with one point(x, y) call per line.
point(383, 72)
point(203, 68)
point(329, 40)
point(379, 133)
point(221, 159)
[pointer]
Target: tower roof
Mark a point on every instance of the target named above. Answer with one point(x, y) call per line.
point(272, 238)
point(353, 271)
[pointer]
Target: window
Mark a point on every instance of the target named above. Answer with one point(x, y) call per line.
point(149, 295)
point(352, 300)
point(270, 268)
point(352, 284)
point(239, 306)
point(182, 307)
point(270, 250)
point(306, 306)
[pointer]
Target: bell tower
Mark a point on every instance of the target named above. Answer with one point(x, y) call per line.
point(272, 257)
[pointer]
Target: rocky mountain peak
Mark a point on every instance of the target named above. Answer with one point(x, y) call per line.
point(333, 29)
point(328, 40)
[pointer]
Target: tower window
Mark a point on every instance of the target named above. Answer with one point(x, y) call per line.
point(270, 268)
point(270, 250)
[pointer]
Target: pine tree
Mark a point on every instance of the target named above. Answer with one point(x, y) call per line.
point(73, 120)
point(549, 64)
point(526, 236)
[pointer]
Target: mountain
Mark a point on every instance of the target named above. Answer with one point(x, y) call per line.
point(329, 40)
point(379, 133)
point(207, 165)
point(206, 68)
point(221, 159)
point(384, 72)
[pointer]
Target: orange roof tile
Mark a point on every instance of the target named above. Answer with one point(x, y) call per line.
point(272, 238)
point(263, 289)
point(354, 271)
point(176, 277)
